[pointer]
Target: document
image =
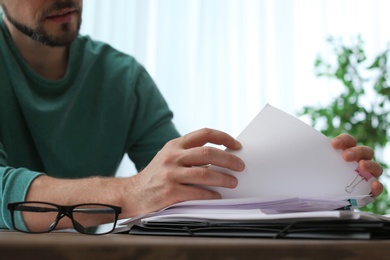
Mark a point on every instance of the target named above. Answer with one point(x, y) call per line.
point(246, 209)
point(254, 215)
point(292, 173)
point(286, 157)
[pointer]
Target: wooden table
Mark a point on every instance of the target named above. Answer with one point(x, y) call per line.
point(119, 246)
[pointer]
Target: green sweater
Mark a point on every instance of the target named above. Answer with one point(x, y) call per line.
point(78, 126)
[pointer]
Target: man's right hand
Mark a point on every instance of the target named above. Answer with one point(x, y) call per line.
point(182, 162)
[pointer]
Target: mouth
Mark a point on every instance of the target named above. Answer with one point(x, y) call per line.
point(62, 16)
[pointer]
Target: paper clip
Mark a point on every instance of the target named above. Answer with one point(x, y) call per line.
point(364, 175)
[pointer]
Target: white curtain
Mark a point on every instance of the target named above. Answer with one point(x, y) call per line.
point(218, 62)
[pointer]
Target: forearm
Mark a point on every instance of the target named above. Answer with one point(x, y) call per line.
point(77, 191)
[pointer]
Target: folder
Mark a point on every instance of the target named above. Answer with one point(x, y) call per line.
point(341, 229)
point(309, 225)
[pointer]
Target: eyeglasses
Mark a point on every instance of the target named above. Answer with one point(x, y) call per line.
point(91, 219)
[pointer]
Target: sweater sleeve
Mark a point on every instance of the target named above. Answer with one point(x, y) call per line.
point(153, 126)
point(13, 188)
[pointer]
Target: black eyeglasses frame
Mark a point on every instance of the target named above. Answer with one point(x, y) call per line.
point(62, 212)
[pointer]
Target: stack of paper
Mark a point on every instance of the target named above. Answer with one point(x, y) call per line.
point(248, 209)
point(292, 171)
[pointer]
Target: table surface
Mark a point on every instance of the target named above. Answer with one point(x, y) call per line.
point(14, 245)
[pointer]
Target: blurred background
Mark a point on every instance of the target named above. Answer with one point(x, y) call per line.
point(218, 62)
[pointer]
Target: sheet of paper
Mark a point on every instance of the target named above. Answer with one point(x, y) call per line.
point(245, 207)
point(247, 216)
point(286, 157)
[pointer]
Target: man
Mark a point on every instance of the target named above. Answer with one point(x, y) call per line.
point(70, 108)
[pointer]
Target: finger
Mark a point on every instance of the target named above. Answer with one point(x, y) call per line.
point(207, 177)
point(343, 141)
point(358, 153)
point(209, 155)
point(372, 167)
point(206, 135)
point(376, 188)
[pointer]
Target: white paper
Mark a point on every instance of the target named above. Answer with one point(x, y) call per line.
point(286, 157)
point(246, 208)
point(247, 216)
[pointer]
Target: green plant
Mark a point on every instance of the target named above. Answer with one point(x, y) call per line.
point(362, 108)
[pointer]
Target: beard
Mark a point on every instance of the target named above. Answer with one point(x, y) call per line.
point(39, 33)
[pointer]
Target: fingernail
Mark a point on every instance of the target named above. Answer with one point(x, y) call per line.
point(241, 165)
point(367, 164)
point(238, 144)
point(234, 182)
point(350, 155)
point(336, 142)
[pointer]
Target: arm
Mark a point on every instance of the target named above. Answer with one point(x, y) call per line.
point(14, 184)
point(363, 155)
point(163, 182)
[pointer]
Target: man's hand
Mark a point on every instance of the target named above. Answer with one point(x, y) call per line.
point(175, 173)
point(363, 155)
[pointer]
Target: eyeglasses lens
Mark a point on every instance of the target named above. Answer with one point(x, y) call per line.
point(94, 219)
point(43, 215)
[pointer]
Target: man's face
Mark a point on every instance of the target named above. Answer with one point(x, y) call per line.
point(52, 22)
